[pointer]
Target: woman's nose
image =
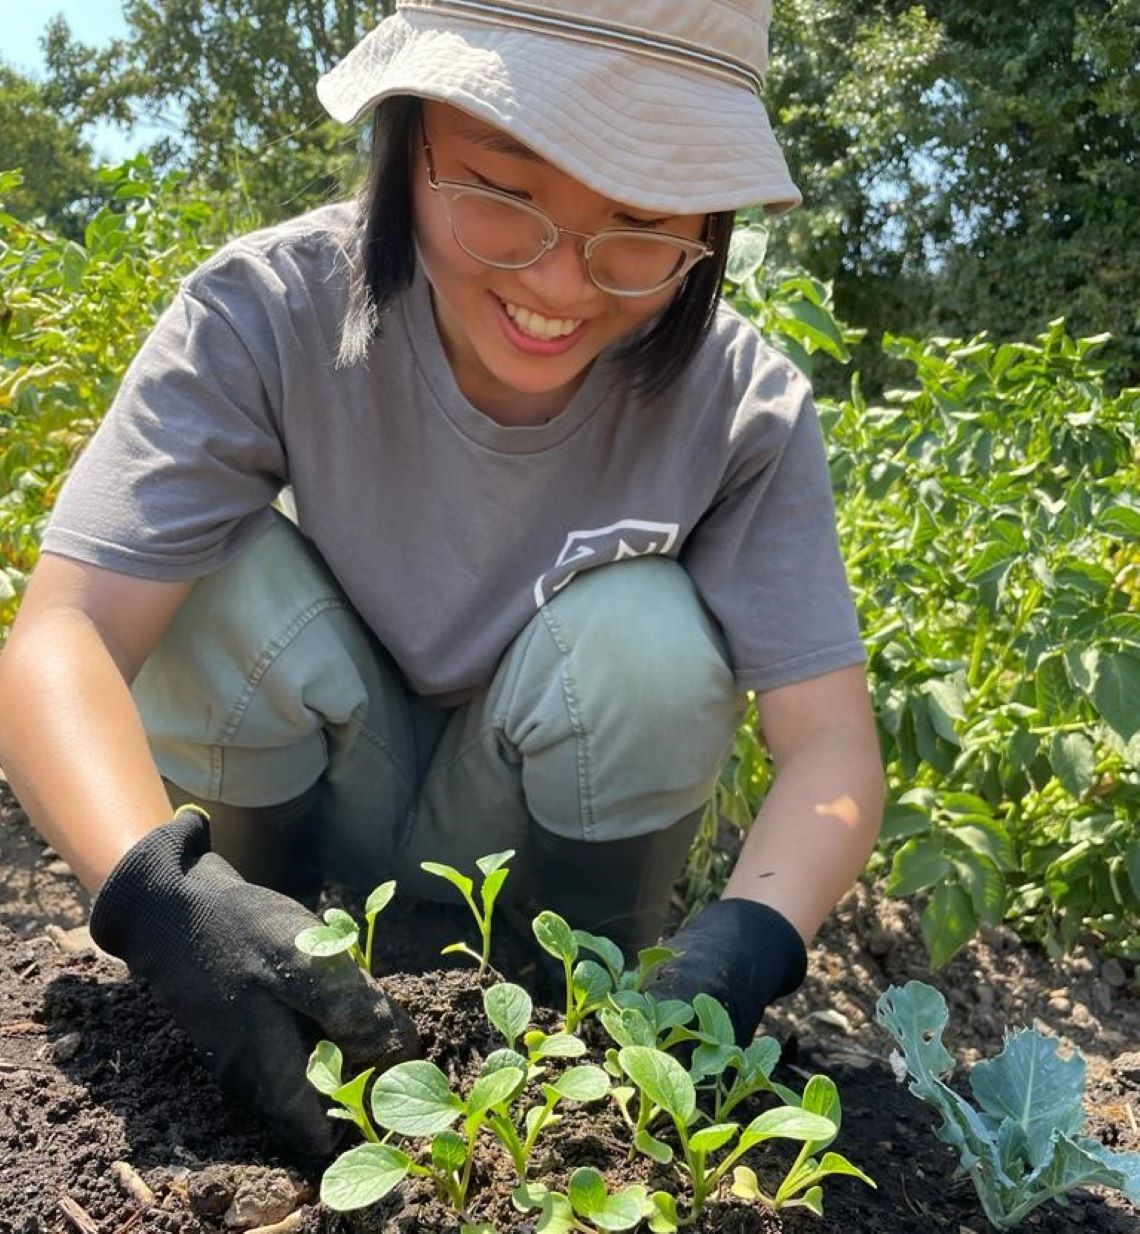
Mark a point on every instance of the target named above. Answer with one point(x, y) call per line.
point(560, 276)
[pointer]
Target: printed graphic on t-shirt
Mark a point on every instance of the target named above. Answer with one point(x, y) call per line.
point(629, 537)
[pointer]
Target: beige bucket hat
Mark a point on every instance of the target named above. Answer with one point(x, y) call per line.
point(654, 103)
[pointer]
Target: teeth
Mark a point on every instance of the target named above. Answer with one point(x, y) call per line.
point(541, 327)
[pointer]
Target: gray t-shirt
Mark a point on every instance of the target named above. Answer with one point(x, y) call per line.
point(446, 529)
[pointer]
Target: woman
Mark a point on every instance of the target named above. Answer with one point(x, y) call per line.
point(553, 511)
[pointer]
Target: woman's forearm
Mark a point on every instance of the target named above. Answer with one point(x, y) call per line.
point(816, 828)
point(73, 746)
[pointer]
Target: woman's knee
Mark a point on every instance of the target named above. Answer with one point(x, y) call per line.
point(260, 664)
point(646, 705)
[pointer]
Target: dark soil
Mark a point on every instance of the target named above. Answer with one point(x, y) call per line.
point(109, 1124)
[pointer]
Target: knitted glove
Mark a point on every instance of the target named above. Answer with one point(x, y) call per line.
point(743, 953)
point(219, 954)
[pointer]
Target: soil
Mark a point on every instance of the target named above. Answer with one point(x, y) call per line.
point(109, 1123)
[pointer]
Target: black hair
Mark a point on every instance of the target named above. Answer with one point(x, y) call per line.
point(383, 262)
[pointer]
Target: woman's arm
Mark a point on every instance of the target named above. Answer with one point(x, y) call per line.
point(71, 740)
point(819, 822)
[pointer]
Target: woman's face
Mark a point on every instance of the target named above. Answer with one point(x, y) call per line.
point(499, 364)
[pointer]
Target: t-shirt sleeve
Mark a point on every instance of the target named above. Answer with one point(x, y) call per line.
point(185, 465)
point(766, 558)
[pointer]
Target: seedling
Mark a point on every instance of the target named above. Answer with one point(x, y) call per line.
point(509, 1008)
point(578, 1084)
point(587, 1201)
point(341, 933)
point(590, 985)
point(801, 1185)
point(414, 1099)
point(663, 1084)
point(1023, 1146)
point(494, 870)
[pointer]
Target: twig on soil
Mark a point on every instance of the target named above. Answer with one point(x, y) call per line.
point(131, 1221)
point(7, 1066)
point(22, 1028)
point(1131, 1117)
point(77, 1216)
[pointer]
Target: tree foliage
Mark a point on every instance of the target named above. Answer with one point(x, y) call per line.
point(965, 165)
point(236, 86)
point(56, 162)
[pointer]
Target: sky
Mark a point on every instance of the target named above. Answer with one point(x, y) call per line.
point(22, 23)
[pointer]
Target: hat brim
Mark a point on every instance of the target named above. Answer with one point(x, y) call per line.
point(652, 135)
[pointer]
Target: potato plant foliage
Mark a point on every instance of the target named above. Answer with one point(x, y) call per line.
point(989, 515)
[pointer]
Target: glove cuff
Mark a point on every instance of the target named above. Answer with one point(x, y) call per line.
point(138, 903)
point(773, 955)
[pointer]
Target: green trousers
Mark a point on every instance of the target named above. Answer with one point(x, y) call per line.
point(608, 717)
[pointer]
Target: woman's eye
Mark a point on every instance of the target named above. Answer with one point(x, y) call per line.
point(500, 188)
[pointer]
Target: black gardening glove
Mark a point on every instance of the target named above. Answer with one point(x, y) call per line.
point(219, 954)
point(742, 953)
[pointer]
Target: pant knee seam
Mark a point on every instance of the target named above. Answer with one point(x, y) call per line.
point(573, 709)
point(266, 660)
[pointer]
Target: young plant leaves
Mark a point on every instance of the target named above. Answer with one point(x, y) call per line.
point(339, 933)
point(362, 1176)
point(509, 1008)
point(414, 1099)
point(1023, 1146)
point(662, 1079)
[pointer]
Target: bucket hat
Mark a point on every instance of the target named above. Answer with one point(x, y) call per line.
point(656, 104)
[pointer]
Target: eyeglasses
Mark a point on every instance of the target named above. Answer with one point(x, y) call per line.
point(498, 229)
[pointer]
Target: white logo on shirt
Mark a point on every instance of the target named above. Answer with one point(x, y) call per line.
point(629, 537)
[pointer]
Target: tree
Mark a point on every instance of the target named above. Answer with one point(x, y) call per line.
point(235, 85)
point(966, 166)
point(58, 182)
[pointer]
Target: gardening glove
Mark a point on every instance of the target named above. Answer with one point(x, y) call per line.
point(219, 954)
point(743, 953)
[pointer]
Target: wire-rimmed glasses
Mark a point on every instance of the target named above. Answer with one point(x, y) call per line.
point(499, 230)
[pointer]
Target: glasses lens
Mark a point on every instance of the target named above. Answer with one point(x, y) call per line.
point(496, 230)
point(625, 262)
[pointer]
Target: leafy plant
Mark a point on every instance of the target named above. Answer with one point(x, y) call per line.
point(589, 985)
point(341, 933)
point(72, 316)
point(414, 1099)
point(494, 869)
point(587, 1200)
point(663, 1085)
point(1022, 1146)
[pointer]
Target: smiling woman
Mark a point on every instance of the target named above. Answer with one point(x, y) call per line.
point(553, 511)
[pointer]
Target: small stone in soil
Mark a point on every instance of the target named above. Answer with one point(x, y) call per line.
point(65, 1048)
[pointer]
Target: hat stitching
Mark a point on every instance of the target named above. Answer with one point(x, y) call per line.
point(627, 38)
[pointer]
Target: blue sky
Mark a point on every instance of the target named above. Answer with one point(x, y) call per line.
point(91, 21)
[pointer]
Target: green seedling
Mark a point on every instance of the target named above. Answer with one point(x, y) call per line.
point(341, 933)
point(591, 985)
point(801, 1187)
point(325, 1074)
point(414, 1100)
point(663, 1085)
point(577, 1084)
point(509, 1008)
point(494, 870)
point(587, 1207)
point(1023, 1144)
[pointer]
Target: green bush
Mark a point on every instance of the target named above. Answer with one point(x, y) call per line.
point(71, 318)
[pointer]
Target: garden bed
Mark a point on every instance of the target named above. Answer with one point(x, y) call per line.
point(109, 1124)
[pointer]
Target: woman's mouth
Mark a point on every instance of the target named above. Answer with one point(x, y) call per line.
point(536, 335)
point(540, 327)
